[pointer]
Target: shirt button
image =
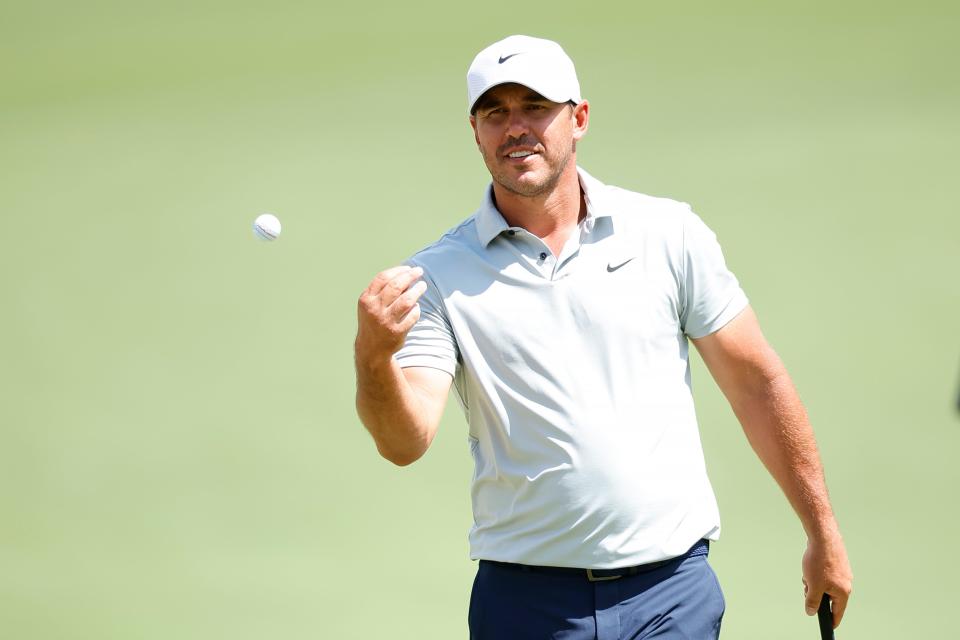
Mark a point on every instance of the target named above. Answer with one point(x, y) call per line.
point(543, 256)
point(512, 232)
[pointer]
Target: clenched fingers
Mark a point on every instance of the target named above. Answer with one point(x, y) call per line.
point(407, 321)
point(388, 287)
point(383, 278)
point(399, 284)
point(839, 605)
point(392, 282)
point(388, 309)
point(402, 305)
point(826, 570)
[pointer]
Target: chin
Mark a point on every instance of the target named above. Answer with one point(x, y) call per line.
point(527, 180)
point(524, 187)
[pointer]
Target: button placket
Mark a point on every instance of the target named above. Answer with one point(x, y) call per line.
point(547, 264)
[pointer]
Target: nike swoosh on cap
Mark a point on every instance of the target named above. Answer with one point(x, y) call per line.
point(505, 58)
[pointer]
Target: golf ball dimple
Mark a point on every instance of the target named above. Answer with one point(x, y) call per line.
point(266, 226)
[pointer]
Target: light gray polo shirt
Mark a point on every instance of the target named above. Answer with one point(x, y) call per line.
point(573, 375)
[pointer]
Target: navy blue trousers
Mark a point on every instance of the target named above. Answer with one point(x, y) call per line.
point(680, 600)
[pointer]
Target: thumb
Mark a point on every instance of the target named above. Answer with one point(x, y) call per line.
point(813, 601)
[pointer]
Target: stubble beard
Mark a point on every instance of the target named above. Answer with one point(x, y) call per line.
point(555, 167)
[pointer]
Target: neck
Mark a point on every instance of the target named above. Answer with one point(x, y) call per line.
point(551, 216)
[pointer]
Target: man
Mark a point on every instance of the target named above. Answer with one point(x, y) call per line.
point(561, 312)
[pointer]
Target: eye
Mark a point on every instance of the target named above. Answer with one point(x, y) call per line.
point(538, 109)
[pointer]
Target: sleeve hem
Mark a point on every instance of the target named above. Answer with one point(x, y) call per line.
point(431, 362)
point(734, 308)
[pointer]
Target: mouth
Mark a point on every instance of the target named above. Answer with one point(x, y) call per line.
point(520, 155)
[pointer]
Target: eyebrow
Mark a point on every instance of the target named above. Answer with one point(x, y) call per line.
point(489, 102)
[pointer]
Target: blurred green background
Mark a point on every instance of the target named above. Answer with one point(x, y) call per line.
point(179, 454)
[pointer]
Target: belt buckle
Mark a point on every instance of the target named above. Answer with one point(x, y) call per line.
point(593, 578)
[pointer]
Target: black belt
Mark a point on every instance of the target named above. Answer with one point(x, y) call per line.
point(701, 548)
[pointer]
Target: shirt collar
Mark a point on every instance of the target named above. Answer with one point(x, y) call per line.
point(490, 222)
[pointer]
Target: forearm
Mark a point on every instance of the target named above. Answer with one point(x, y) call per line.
point(756, 383)
point(777, 427)
point(391, 409)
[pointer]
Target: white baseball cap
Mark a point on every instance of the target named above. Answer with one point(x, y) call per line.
point(541, 65)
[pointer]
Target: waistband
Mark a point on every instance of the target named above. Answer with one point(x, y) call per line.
point(701, 548)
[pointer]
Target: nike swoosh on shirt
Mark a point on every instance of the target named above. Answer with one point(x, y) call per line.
point(611, 267)
point(505, 58)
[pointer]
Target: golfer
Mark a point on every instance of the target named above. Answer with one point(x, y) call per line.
point(561, 312)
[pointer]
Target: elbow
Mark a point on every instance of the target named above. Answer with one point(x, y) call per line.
point(398, 452)
point(401, 458)
point(401, 461)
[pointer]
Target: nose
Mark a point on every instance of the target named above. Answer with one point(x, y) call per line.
point(517, 125)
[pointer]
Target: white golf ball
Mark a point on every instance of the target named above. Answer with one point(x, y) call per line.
point(266, 226)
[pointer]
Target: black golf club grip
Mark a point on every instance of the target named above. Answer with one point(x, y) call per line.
point(825, 617)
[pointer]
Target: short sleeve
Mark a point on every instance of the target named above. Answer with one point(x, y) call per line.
point(430, 343)
point(711, 296)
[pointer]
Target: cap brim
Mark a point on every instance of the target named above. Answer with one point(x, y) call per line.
point(550, 93)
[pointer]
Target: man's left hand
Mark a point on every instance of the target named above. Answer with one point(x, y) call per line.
point(826, 569)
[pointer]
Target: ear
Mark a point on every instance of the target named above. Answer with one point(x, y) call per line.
point(473, 124)
point(581, 119)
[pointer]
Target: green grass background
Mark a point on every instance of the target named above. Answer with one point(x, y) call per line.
point(179, 454)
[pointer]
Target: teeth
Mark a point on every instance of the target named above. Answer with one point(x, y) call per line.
point(521, 154)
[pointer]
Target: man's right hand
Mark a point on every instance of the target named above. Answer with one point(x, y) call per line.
point(401, 408)
point(387, 310)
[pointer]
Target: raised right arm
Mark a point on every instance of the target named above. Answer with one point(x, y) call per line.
point(400, 407)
